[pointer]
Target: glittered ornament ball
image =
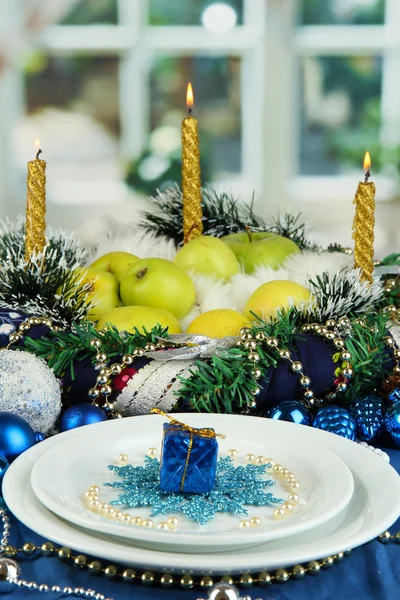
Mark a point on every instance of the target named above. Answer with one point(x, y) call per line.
point(290, 410)
point(336, 420)
point(16, 435)
point(81, 414)
point(369, 413)
point(29, 389)
point(392, 423)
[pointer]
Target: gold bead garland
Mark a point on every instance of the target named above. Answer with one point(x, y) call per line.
point(329, 331)
point(167, 580)
point(102, 386)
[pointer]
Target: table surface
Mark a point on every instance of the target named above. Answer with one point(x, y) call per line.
point(371, 572)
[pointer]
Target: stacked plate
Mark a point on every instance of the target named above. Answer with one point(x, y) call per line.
point(348, 496)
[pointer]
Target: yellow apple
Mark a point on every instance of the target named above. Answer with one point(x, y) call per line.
point(218, 323)
point(257, 248)
point(115, 263)
point(271, 296)
point(126, 318)
point(209, 256)
point(103, 290)
point(158, 283)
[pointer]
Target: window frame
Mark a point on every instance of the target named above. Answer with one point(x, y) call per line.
point(269, 42)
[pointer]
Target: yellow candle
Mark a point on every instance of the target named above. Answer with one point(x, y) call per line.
point(35, 240)
point(191, 179)
point(363, 224)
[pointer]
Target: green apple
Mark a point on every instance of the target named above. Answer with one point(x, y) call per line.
point(126, 318)
point(209, 256)
point(115, 263)
point(103, 290)
point(260, 248)
point(158, 283)
point(272, 296)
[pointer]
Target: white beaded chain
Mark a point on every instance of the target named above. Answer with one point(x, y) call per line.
point(10, 571)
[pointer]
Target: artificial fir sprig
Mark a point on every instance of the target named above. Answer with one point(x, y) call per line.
point(343, 294)
point(292, 227)
point(33, 286)
point(371, 360)
point(222, 214)
point(62, 348)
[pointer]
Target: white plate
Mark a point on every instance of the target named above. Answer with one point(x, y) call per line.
point(64, 473)
point(373, 508)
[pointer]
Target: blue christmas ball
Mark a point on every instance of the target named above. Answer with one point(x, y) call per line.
point(290, 410)
point(4, 464)
point(81, 414)
point(336, 420)
point(16, 435)
point(392, 423)
point(369, 413)
point(394, 395)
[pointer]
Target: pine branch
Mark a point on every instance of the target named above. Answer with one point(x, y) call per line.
point(391, 260)
point(32, 286)
point(291, 227)
point(222, 214)
point(62, 348)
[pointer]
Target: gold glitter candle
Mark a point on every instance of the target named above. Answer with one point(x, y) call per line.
point(363, 225)
point(191, 179)
point(35, 239)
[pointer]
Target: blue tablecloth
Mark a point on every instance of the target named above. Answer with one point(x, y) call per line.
point(372, 572)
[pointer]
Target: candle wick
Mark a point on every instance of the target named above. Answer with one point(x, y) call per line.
point(190, 111)
point(367, 176)
point(39, 152)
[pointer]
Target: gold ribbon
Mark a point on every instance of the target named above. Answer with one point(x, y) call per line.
point(204, 432)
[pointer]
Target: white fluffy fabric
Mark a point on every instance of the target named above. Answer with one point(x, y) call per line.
point(212, 293)
point(136, 242)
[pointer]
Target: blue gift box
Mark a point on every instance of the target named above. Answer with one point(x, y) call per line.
point(189, 460)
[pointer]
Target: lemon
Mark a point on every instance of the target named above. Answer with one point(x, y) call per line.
point(218, 323)
point(271, 296)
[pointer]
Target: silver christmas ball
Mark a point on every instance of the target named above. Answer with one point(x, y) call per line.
point(153, 386)
point(223, 591)
point(9, 569)
point(29, 389)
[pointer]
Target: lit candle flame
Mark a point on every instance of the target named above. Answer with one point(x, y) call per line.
point(189, 96)
point(367, 161)
point(37, 144)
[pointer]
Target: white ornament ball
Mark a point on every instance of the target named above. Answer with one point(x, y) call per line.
point(29, 389)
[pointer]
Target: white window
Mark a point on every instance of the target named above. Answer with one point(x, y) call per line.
point(287, 95)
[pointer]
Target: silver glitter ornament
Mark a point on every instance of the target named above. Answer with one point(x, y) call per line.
point(9, 569)
point(29, 389)
point(223, 591)
point(153, 386)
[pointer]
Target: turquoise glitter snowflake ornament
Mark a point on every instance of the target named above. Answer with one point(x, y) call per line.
point(235, 488)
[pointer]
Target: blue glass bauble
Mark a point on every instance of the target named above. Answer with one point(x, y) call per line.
point(336, 420)
point(81, 414)
point(16, 435)
point(290, 410)
point(392, 423)
point(394, 395)
point(4, 464)
point(369, 413)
